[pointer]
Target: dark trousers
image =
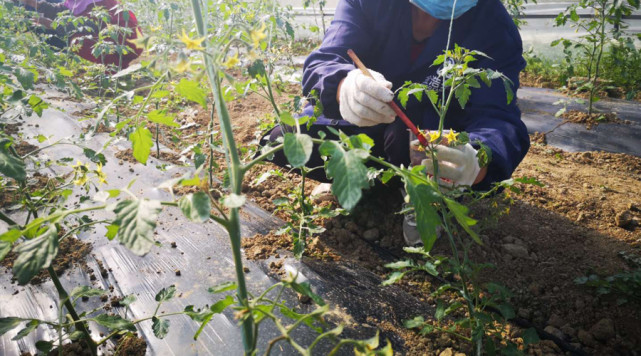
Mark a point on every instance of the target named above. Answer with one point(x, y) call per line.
point(391, 142)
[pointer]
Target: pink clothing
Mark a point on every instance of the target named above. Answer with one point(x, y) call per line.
point(77, 7)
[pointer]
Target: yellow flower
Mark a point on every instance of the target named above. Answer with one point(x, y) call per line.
point(192, 43)
point(182, 66)
point(140, 42)
point(102, 177)
point(258, 35)
point(81, 180)
point(434, 135)
point(231, 61)
point(451, 136)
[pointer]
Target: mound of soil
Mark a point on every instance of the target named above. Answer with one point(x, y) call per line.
point(131, 346)
point(72, 253)
point(591, 121)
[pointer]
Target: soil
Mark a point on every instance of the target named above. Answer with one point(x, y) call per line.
point(527, 79)
point(593, 120)
point(72, 253)
point(72, 349)
point(131, 346)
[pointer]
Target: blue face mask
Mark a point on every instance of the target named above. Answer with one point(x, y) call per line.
point(442, 9)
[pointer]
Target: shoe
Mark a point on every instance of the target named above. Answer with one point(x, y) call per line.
point(410, 231)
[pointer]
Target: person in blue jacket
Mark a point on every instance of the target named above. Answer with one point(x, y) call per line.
point(398, 41)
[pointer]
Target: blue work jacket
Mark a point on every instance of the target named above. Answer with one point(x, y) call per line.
point(380, 32)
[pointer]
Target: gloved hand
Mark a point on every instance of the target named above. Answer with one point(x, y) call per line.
point(363, 100)
point(459, 165)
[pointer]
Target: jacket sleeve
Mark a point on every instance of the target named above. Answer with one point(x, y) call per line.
point(487, 116)
point(327, 66)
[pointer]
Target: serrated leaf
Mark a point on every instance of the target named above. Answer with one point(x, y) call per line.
point(348, 173)
point(196, 207)
point(8, 324)
point(5, 248)
point(217, 308)
point(160, 327)
point(126, 301)
point(305, 288)
point(31, 326)
point(222, 287)
point(461, 214)
point(192, 91)
point(112, 231)
point(141, 141)
point(136, 221)
point(114, 322)
point(37, 104)
point(94, 157)
point(298, 149)
point(400, 264)
point(166, 294)
point(463, 93)
point(35, 254)
point(10, 165)
point(161, 117)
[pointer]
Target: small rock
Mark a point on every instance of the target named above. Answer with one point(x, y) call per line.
point(245, 269)
point(173, 244)
point(524, 313)
point(371, 235)
point(586, 338)
point(508, 239)
point(450, 352)
point(535, 288)
point(515, 250)
point(568, 330)
point(556, 289)
point(556, 321)
point(178, 273)
point(603, 330)
point(625, 220)
point(554, 331)
point(579, 304)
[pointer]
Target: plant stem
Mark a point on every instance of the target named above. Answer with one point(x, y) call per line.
point(236, 175)
point(80, 325)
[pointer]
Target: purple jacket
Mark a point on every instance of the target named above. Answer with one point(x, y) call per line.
point(380, 32)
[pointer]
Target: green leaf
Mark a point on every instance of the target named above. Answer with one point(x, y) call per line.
point(160, 327)
point(461, 214)
point(112, 231)
point(530, 336)
point(36, 254)
point(433, 96)
point(423, 197)
point(214, 309)
point(86, 291)
point(94, 157)
point(393, 278)
point(114, 322)
point(463, 93)
point(400, 264)
point(440, 310)
point(8, 324)
point(31, 326)
point(289, 313)
point(126, 301)
point(44, 346)
point(305, 288)
point(196, 207)
point(506, 311)
point(256, 69)
point(222, 287)
point(142, 142)
point(417, 322)
point(11, 236)
point(508, 91)
point(192, 91)
point(37, 105)
point(26, 77)
point(5, 247)
point(348, 172)
point(298, 149)
point(234, 201)
point(10, 165)
point(166, 294)
point(136, 221)
point(161, 117)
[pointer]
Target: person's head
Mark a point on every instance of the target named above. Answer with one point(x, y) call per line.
point(443, 9)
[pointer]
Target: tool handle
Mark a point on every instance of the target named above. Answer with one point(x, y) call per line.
point(406, 120)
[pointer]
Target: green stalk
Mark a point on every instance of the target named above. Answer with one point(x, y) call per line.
point(62, 293)
point(598, 60)
point(236, 174)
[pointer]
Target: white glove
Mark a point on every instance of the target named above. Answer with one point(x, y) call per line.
point(459, 165)
point(363, 100)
